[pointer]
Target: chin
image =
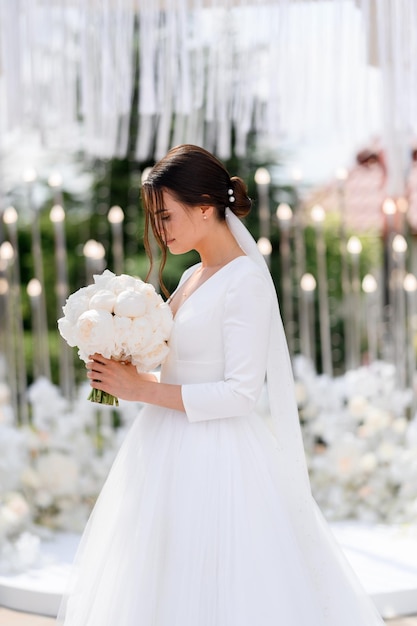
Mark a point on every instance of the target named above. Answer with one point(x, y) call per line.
point(176, 250)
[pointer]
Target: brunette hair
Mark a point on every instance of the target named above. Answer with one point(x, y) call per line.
point(195, 178)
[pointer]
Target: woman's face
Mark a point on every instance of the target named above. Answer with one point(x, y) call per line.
point(182, 229)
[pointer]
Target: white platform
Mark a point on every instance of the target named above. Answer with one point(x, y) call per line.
point(384, 558)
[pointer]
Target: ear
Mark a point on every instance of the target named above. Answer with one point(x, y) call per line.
point(207, 211)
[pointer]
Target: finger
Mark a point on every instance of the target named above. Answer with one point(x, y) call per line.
point(98, 358)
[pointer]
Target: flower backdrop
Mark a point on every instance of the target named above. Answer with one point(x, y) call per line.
point(361, 449)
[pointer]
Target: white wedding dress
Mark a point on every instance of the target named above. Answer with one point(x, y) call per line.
point(205, 520)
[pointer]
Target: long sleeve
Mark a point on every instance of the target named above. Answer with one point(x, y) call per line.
point(246, 330)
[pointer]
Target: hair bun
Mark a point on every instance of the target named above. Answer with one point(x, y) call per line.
point(242, 203)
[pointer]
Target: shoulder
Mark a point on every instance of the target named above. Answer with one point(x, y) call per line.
point(243, 267)
point(245, 275)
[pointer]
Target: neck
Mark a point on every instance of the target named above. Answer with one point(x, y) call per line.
point(219, 247)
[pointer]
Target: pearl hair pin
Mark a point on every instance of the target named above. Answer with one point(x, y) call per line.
point(231, 196)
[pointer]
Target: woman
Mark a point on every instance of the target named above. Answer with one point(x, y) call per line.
point(206, 518)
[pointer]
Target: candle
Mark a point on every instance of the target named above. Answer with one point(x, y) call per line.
point(34, 291)
point(66, 363)
point(284, 216)
point(399, 248)
point(10, 218)
point(308, 342)
point(153, 276)
point(354, 248)
point(410, 287)
point(8, 331)
point(94, 253)
point(263, 180)
point(369, 287)
point(341, 176)
point(55, 182)
point(116, 217)
point(29, 177)
point(318, 215)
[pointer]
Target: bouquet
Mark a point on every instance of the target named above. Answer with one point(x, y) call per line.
point(120, 317)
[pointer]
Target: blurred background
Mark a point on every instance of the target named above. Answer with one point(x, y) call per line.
point(314, 104)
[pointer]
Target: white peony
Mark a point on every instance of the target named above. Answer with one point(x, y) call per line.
point(104, 280)
point(77, 303)
point(152, 359)
point(130, 303)
point(141, 335)
point(124, 282)
point(162, 320)
point(103, 299)
point(123, 336)
point(95, 333)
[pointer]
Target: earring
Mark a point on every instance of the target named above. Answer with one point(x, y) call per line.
point(204, 217)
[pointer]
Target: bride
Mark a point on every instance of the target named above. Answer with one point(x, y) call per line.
point(207, 518)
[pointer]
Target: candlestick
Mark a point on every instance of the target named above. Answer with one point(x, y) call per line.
point(341, 176)
point(308, 344)
point(10, 218)
point(369, 287)
point(318, 215)
point(263, 180)
point(284, 215)
point(410, 287)
point(6, 259)
point(66, 360)
point(153, 277)
point(55, 182)
point(354, 248)
point(399, 248)
point(116, 217)
point(389, 210)
point(34, 291)
point(94, 253)
point(29, 177)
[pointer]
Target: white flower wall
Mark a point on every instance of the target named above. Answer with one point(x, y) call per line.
point(360, 436)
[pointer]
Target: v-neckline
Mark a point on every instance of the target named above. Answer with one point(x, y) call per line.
point(241, 256)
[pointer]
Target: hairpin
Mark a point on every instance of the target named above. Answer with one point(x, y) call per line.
point(231, 196)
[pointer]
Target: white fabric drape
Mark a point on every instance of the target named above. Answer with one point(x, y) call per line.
point(294, 69)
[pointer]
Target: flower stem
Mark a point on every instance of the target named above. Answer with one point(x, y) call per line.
point(102, 397)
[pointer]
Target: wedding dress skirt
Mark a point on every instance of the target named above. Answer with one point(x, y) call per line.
point(191, 527)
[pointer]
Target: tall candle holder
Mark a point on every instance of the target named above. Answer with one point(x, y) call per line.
point(6, 261)
point(29, 177)
point(94, 254)
point(263, 180)
point(399, 250)
point(284, 216)
point(354, 249)
point(34, 291)
point(66, 362)
point(308, 336)
point(389, 210)
point(153, 276)
point(116, 217)
point(410, 288)
point(318, 216)
point(341, 177)
point(370, 289)
point(10, 218)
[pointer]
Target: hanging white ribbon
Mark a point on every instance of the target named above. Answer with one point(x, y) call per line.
point(204, 69)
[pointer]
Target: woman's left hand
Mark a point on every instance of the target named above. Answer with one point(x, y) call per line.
point(119, 378)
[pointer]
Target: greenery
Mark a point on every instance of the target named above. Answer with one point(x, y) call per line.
point(117, 182)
